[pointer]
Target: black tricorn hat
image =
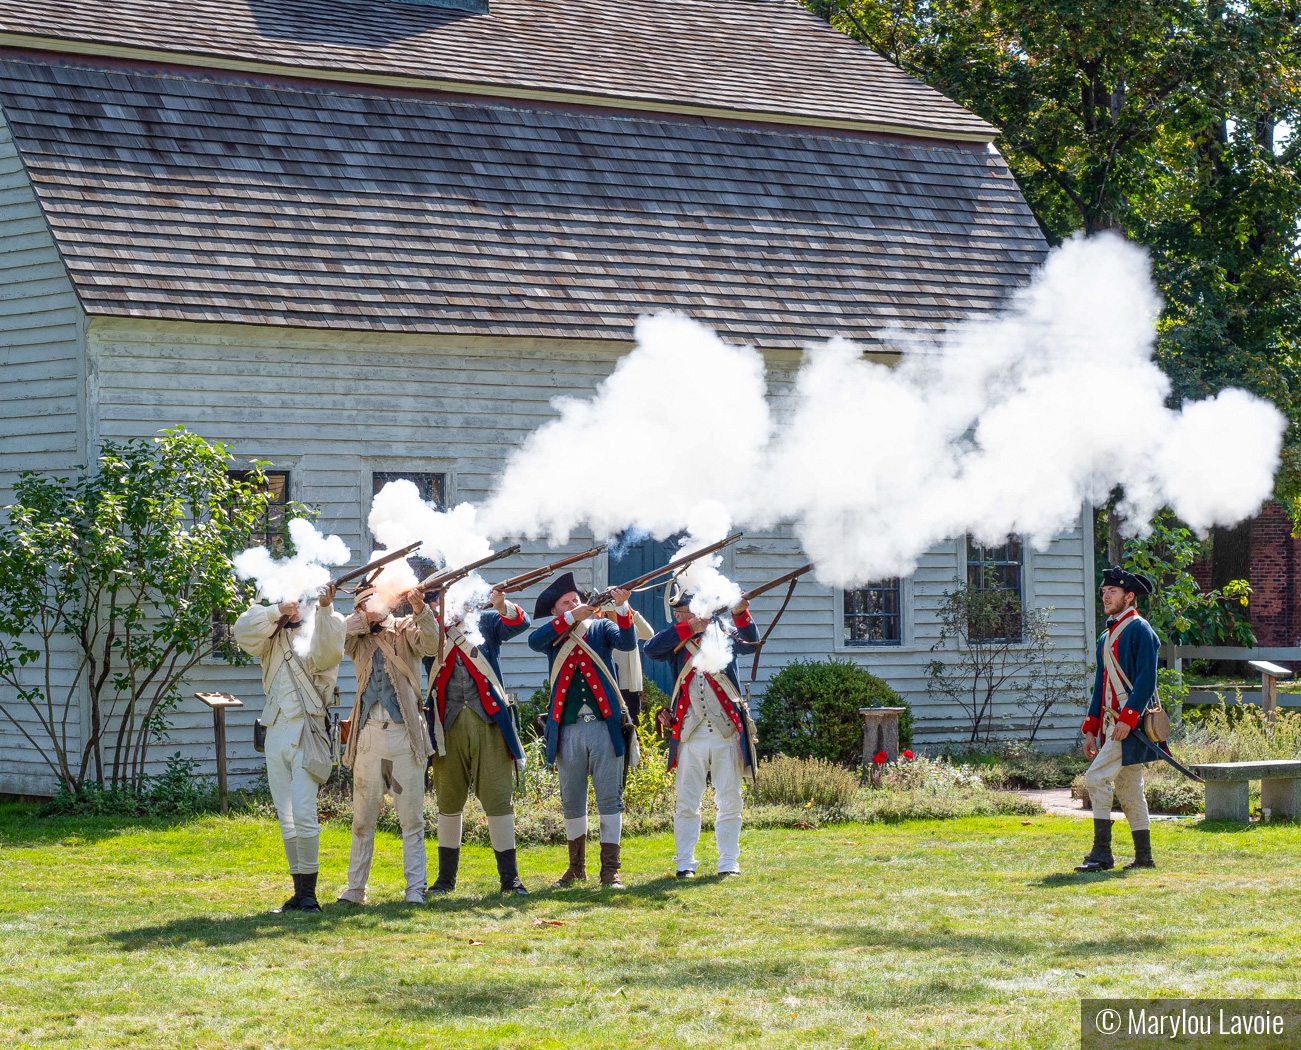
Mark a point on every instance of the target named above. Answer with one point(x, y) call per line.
point(555, 590)
point(1130, 581)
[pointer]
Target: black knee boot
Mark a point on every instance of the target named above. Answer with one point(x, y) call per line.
point(307, 887)
point(449, 860)
point(1142, 850)
point(1099, 858)
point(294, 902)
point(509, 872)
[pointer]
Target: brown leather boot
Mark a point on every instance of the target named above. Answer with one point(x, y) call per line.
point(610, 865)
point(577, 870)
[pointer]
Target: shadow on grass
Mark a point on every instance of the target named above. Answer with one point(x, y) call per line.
point(23, 828)
point(228, 930)
point(969, 943)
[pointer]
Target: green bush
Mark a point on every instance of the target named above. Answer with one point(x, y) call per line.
point(810, 710)
point(176, 792)
point(786, 781)
point(537, 704)
point(1016, 764)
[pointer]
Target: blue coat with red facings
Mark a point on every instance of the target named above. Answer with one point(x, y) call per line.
point(664, 647)
point(1136, 652)
point(602, 637)
point(496, 631)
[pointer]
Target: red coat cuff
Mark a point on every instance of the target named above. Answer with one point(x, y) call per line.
point(560, 624)
point(683, 629)
point(743, 618)
point(624, 622)
point(1091, 725)
point(1129, 716)
point(516, 618)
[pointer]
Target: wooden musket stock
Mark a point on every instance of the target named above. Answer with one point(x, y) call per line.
point(527, 579)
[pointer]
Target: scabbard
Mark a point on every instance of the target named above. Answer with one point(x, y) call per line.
point(1165, 755)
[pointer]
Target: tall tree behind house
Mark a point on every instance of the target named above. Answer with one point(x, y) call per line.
point(1166, 120)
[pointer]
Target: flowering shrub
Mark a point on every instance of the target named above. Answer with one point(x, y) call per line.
point(930, 775)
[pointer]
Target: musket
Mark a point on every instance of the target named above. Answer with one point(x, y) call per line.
point(444, 578)
point(378, 563)
point(526, 580)
point(598, 598)
point(764, 588)
point(364, 570)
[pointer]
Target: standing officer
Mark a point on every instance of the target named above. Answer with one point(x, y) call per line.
point(299, 758)
point(388, 743)
point(1124, 685)
point(710, 732)
point(585, 720)
point(474, 718)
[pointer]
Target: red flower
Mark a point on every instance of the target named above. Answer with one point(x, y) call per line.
point(909, 755)
point(879, 758)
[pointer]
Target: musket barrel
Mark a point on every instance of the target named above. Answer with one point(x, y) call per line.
point(446, 576)
point(377, 563)
point(771, 584)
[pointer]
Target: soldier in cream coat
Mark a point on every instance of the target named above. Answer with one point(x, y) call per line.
point(388, 743)
point(297, 687)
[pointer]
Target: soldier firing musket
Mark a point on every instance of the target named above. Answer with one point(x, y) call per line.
point(375, 564)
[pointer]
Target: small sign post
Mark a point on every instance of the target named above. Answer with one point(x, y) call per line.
point(1269, 676)
point(218, 702)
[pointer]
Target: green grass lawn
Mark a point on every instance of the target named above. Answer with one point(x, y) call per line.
point(955, 933)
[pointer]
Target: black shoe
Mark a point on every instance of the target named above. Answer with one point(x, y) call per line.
point(449, 861)
point(1142, 850)
point(687, 873)
point(1099, 858)
point(295, 902)
point(729, 874)
point(506, 868)
point(309, 903)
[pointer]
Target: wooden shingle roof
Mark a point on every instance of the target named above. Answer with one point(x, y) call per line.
point(206, 197)
point(769, 59)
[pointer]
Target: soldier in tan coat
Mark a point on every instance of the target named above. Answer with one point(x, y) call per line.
point(388, 743)
point(299, 757)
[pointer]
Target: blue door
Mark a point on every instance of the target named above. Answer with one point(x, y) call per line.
point(637, 559)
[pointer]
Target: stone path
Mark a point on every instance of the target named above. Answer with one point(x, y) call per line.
point(1059, 803)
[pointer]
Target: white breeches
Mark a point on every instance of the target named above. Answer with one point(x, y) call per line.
point(380, 742)
point(705, 753)
point(1106, 778)
point(294, 793)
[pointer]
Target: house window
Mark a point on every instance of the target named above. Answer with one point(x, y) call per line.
point(270, 532)
point(873, 614)
point(430, 486)
point(997, 570)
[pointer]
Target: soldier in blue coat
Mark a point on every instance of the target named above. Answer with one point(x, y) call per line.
point(1124, 685)
point(586, 720)
point(710, 732)
point(476, 739)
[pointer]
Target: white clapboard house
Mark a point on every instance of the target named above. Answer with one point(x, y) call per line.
point(367, 239)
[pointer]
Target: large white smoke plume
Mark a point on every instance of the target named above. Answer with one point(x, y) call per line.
point(300, 578)
point(398, 517)
point(711, 592)
point(1006, 425)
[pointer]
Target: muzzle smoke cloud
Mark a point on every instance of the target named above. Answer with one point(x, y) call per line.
point(398, 516)
point(1006, 425)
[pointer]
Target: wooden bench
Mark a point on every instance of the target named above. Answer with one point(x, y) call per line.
point(1228, 788)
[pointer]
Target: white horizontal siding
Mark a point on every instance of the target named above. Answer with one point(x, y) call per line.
point(332, 408)
point(39, 424)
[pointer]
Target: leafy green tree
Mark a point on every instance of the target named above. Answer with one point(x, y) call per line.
point(119, 573)
point(1178, 609)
